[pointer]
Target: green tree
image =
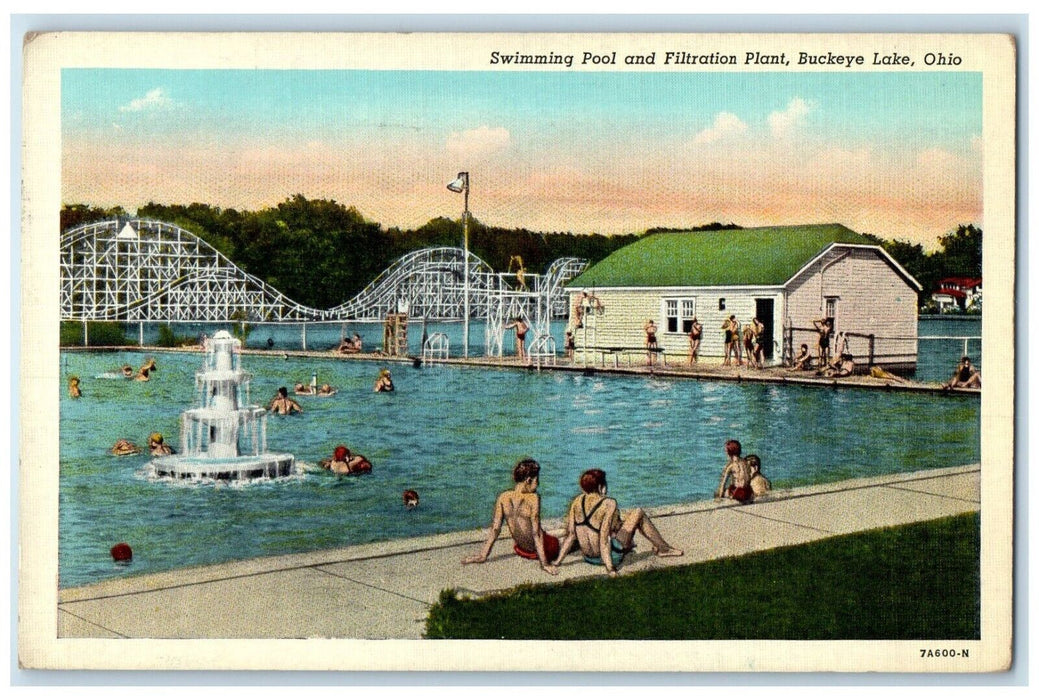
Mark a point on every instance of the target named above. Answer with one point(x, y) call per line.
point(960, 252)
point(73, 215)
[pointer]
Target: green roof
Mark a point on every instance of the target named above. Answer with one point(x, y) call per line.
point(738, 257)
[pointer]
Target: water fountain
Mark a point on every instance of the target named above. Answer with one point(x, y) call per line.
point(224, 437)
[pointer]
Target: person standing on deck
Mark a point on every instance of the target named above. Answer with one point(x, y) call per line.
point(824, 327)
point(748, 344)
point(695, 333)
point(651, 341)
point(521, 334)
point(730, 329)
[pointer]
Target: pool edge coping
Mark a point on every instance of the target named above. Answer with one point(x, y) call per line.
point(196, 575)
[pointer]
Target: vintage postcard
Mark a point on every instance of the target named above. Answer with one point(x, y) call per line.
point(469, 351)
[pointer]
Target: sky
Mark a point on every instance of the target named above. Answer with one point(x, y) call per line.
point(893, 154)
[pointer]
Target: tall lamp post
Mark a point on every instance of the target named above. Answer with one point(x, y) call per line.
point(461, 184)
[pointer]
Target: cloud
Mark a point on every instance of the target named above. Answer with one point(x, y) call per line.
point(726, 125)
point(784, 122)
point(936, 160)
point(152, 100)
point(480, 141)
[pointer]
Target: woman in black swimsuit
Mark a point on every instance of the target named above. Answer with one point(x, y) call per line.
point(594, 522)
point(695, 331)
point(966, 376)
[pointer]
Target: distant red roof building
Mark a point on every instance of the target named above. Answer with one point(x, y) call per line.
point(959, 293)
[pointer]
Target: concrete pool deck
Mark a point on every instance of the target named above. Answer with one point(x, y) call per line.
point(384, 590)
point(709, 369)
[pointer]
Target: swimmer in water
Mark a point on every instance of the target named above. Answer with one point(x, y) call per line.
point(384, 382)
point(326, 390)
point(123, 448)
point(759, 483)
point(410, 499)
point(282, 405)
point(74, 390)
point(127, 371)
point(157, 446)
point(735, 482)
point(144, 373)
point(345, 462)
point(301, 389)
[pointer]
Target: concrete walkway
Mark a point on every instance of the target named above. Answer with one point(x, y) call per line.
point(384, 590)
point(710, 369)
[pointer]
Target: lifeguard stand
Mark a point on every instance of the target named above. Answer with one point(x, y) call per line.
point(395, 335)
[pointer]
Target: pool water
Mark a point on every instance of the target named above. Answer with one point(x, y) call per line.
point(453, 434)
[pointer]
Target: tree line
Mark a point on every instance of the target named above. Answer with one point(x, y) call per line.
point(321, 253)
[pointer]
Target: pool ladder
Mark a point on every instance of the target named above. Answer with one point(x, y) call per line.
point(437, 347)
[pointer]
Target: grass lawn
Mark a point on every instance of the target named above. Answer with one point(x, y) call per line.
point(919, 581)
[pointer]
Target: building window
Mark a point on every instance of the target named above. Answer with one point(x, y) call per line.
point(831, 309)
point(679, 314)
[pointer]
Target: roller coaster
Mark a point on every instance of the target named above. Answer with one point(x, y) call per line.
point(140, 270)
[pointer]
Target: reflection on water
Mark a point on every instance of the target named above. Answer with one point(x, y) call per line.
point(453, 434)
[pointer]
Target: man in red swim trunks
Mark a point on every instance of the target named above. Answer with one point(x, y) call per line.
point(520, 507)
point(737, 473)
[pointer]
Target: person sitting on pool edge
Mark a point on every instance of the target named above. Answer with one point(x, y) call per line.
point(845, 367)
point(803, 361)
point(350, 345)
point(594, 523)
point(157, 446)
point(966, 376)
point(738, 472)
point(520, 507)
point(282, 405)
point(759, 483)
point(384, 382)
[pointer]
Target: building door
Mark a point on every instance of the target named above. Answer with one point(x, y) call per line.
point(764, 311)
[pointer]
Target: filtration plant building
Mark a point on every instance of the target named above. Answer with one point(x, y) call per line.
point(786, 276)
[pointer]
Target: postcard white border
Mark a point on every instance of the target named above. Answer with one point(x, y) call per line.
point(39, 647)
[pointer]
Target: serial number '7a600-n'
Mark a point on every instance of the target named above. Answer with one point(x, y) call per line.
point(944, 653)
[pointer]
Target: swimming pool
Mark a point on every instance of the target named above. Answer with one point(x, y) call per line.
point(453, 433)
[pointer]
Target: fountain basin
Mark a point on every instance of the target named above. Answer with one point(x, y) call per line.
point(268, 464)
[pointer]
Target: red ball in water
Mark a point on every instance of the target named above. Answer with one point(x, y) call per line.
point(122, 552)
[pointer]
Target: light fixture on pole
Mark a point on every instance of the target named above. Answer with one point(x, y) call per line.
point(461, 184)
